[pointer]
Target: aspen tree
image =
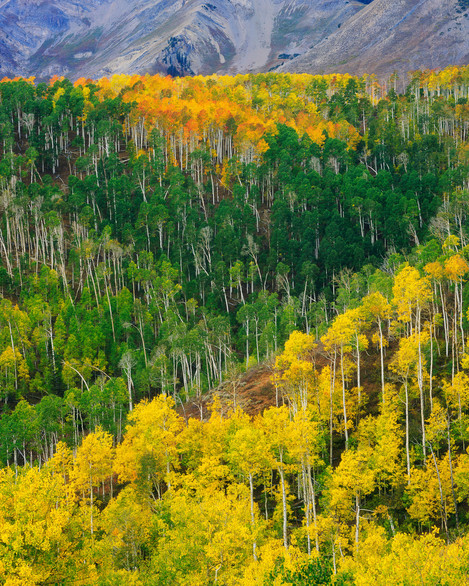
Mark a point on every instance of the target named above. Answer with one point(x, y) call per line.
point(248, 451)
point(378, 308)
point(278, 428)
point(384, 436)
point(294, 371)
point(36, 540)
point(352, 480)
point(455, 269)
point(411, 294)
point(148, 452)
point(338, 342)
point(304, 446)
point(92, 465)
point(405, 364)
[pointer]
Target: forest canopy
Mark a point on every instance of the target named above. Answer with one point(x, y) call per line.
point(159, 237)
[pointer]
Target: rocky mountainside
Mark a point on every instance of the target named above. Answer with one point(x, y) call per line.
point(94, 38)
point(101, 37)
point(393, 35)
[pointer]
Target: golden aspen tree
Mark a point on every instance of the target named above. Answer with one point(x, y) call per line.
point(353, 479)
point(456, 394)
point(294, 370)
point(360, 321)
point(127, 522)
point(337, 341)
point(407, 559)
point(304, 446)
point(149, 449)
point(383, 434)
point(456, 397)
point(329, 402)
point(270, 554)
point(411, 293)
point(376, 306)
point(430, 492)
point(436, 273)
point(439, 434)
point(373, 547)
point(278, 429)
point(212, 469)
point(92, 465)
point(405, 364)
point(38, 530)
point(248, 452)
point(455, 268)
point(203, 535)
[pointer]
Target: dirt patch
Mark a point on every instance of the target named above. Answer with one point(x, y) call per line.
point(253, 392)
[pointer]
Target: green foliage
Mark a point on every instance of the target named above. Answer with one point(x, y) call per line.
point(147, 250)
point(314, 571)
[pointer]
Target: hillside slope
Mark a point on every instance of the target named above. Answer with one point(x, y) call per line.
point(98, 38)
point(390, 36)
point(101, 37)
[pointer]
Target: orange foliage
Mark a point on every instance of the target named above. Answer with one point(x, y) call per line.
point(229, 113)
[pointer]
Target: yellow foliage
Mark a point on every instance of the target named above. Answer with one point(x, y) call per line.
point(410, 291)
point(353, 478)
point(36, 528)
point(456, 267)
point(93, 461)
point(149, 447)
point(270, 554)
point(209, 537)
point(294, 371)
point(430, 491)
point(408, 559)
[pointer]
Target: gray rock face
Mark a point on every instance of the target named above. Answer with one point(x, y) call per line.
point(93, 38)
point(393, 36)
point(101, 37)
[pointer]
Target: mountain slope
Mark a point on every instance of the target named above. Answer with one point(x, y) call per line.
point(393, 35)
point(95, 38)
point(101, 37)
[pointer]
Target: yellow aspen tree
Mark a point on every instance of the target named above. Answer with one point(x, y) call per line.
point(270, 554)
point(352, 480)
point(411, 294)
point(248, 452)
point(373, 547)
point(278, 428)
point(405, 365)
point(304, 446)
point(149, 449)
point(438, 434)
point(127, 522)
point(431, 492)
point(360, 321)
point(213, 470)
point(436, 273)
point(294, 370)
point(384, 436)
point(337, 341)
point(455, 269)
point(38, 541)
point(203, 535)
point(329, 402)
point(92, 465)
point(377, 307)
point(456, 394)
point(410, 559)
